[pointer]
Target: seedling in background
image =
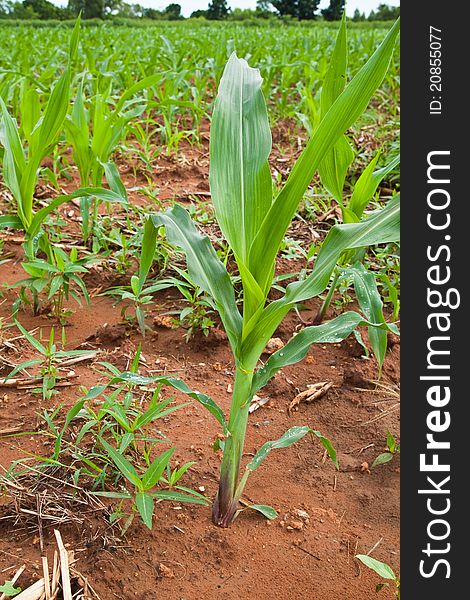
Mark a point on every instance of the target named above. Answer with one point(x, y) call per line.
point(195, 316)
point(94, 133)
point(383, 570)
point(50, 361)
point(60, 277)
point(138, 293)
point(254, 225)
point(393, 448)
point(333, 170)
point(144, 494)
point(22, 158)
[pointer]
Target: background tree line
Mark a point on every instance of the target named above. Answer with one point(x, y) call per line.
point(216, 10)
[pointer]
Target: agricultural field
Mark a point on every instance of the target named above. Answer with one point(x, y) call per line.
point(200, 277)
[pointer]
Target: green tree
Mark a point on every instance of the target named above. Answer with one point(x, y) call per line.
point(19, 11)
point(43, 9)
point(90, 9)
point(217, 10)
point(299, 9)
point(173, 12)
point(384, 12)
point(152, 13)
point(263, 8)
point(334, 11)
point(358, 16)
point(197, 14)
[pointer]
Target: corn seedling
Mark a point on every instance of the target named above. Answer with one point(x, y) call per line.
point(383, 570)
point(21, 162)
point(254, 225)
point(195, 316)
point(49, 363)
point(94, 134)
point(144, 494)
point(393, 447)
point(138, 293)
point(334, 167)
point(59, 277)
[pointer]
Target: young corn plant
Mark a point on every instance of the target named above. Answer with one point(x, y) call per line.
point(94, 133)
point(383, 570)
point(60, 276)
point(254, 225)
point(50, 361)
point(138, 293)
point(41, 132)
point(393, 447)
point(22, 158)
point(333, 170)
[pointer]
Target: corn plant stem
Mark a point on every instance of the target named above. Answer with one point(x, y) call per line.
point(226, 501)
point(327, 301)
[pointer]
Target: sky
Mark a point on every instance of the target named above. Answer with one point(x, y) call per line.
point(188, 6)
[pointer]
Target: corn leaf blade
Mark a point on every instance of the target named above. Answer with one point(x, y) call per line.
point(297, 347)
point(205, 268)
point(342, 114)
point(240, 144)
point(333, 168)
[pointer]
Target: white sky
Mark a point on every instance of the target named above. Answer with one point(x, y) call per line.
point(189, 5)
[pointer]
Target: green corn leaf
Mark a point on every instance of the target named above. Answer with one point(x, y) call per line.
point(205, 268)
point(40, 216)
point(381, 227)
point(145, 505)
point(77, 129)
point(240, 144)
point(155, 471)
point(126, 468)
point(296, 349)
point(53, 117)
point(333, 167)
point(114, 180)
point(342, 114)
point(143, 84)
point(380, 568)
point(371, 305)
point(382, 459)
point(367, 185)
point(292, 435)
point(192, 498)
point(266, 511)
point(30, 108)
point(328, 447)
point(392, 443)
point(10, 139)
point(148, 252)
point(173, 382)
point(74, 38)
point(12, 221)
